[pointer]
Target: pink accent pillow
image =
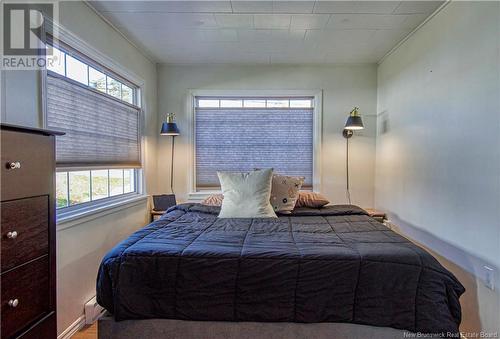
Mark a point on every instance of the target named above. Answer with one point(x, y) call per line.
point(213, 200)
point(311, 199)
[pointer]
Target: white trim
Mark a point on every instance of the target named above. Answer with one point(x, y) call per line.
point(82, 216)
point(89, 51)
point(317, 129)
point(76, 326)
point(72, 39)
point(439, 9)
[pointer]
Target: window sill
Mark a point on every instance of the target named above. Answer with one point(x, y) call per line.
point(73, 218)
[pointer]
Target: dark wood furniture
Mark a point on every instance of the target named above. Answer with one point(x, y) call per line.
point(28, 233)
point(155, 215)
point(161, 203)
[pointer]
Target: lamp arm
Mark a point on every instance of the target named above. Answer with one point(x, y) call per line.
point(172, 166)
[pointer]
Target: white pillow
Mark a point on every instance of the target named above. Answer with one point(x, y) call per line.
point(246, 195)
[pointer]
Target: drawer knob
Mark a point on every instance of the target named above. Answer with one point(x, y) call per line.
point(12, 235)
point(13, 302)
point(13, 165)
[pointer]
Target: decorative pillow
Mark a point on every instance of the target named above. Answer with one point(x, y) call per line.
point(246, 195)
point(213, 200)
point(311, 199)
point(285, 192)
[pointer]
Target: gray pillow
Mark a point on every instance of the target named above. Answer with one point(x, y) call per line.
point(246, 195)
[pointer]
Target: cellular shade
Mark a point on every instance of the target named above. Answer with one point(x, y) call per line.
point(100, 131)
point(242, 139)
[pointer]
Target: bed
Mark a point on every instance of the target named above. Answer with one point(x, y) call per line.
point(329, 265)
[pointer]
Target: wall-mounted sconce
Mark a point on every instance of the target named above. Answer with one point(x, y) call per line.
point(353, 123)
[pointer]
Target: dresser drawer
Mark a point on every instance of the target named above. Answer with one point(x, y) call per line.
point(25, 230)
point(27, 166)
point(25, 296)
point(44, 329)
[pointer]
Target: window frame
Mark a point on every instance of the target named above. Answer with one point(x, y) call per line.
point(74, 215)
point(109, 74)
point(197, 195)
point(91, 202)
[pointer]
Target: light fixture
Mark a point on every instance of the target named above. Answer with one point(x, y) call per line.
point(353, 123)
point(169, 128)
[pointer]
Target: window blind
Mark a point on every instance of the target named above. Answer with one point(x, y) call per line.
point(100, 131)
point(241, 139)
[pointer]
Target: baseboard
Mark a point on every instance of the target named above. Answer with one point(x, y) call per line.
point(73, 328)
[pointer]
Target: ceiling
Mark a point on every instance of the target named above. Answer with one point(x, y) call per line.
point(265, 32)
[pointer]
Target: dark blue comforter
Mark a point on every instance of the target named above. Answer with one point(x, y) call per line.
point(334, 264)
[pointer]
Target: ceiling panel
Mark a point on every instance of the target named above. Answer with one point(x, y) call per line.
point(163, 6)
point(417, 7)
point(270, 35)
point(265, 31)
point(234, 20)
point(338, 7)
point(365, 21)
point(272, 21)
point(340, 36)
point(305, 7)
point(161, 20)
point(309, 21)
point(252, 6)
point(376, 7)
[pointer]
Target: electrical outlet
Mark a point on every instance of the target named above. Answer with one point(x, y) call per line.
point(489, 277)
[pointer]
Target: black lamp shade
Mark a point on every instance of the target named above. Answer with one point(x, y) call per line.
point(354, 122)
point(169, 128)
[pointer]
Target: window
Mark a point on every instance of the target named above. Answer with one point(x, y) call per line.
point(243, 133)
point(71, 65)
point(78, 187)
point(99, 156)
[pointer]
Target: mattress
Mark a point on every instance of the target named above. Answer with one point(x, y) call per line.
point(334, 264)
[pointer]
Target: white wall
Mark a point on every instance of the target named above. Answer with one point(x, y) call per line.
point(81, 247)
point(343, 87)
point(438, 145)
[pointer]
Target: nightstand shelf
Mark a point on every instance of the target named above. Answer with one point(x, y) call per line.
point(376, 214)
point(155, 215)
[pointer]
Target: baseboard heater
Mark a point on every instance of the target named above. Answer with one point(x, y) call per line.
point(93, 311)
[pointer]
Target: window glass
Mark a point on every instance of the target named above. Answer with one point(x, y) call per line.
point(79, 187)
point(127, 94)
point(277, 103)
point(61, 189)
point(93, 185)
point(208, 103)
point(59, 61)
point(128, 180)
point(97, 80)
point(55, 62)
point(231, 103)
point(114, 88)
point(99, 184)
point(301, 103)
point(115, 182)
point(76, 70)
point(250, 103)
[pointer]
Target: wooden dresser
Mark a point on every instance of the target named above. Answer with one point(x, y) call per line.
point(28, 244)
